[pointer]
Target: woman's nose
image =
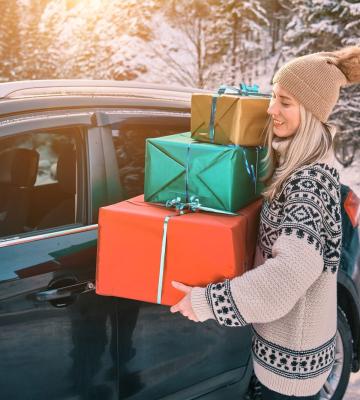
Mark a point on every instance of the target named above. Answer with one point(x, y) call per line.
point(273, 109)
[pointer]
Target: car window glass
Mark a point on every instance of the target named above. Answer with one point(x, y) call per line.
point(37, 182)
point(129, 141)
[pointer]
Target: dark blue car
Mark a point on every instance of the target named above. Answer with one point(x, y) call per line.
point(66, 149)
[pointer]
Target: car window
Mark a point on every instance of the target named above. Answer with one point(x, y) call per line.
point(37, 181)
point(129, 141)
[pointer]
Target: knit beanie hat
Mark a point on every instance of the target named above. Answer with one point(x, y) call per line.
point(315, 79)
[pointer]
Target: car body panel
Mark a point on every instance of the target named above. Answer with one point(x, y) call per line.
point(45, 349)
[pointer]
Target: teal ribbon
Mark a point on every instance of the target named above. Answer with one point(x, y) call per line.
point(187, 172)
point(249, 90)
point(212, 118)
point(242, 90)
point(250, 168)
point(253, 172)
point(256, 167)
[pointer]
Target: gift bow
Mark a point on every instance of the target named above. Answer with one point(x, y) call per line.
point(242, 90)
point(193, 205)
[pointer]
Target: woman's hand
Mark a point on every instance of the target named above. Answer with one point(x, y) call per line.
point(184, 305)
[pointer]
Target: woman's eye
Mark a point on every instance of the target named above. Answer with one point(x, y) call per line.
point(285, 104)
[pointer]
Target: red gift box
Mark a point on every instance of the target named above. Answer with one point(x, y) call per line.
point(201, 247)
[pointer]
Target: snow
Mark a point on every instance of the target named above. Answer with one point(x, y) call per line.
point(354, 8)
point(170, 55)
point(133, 39)
point(325, 26)
point(350, 175)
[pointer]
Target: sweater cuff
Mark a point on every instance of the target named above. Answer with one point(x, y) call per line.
point(200, 305)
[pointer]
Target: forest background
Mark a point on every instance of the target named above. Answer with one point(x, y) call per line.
point(195, 43)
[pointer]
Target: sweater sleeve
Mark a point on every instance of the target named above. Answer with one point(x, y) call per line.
point(269, 291)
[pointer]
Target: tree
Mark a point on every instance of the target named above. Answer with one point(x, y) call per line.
point(243, 23)
point(131, 33)
point(182, 40)
point(326, 26)
point(96, 40)
point(210, 42)
point(9, 40)
point(35, 60)
point(277, 15)
point(318, 25)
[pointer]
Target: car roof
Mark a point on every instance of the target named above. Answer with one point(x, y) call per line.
point(29, 88)
point(41, 95)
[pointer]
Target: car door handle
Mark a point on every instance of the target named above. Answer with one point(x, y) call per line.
point(66, 291)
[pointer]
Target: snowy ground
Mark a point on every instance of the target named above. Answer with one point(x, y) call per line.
point(351, 175)
point(353, 390)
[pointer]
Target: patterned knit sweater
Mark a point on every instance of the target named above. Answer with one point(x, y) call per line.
point(290, 296)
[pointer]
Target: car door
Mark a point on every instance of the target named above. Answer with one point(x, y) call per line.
point(170, 355)
point(58, 340)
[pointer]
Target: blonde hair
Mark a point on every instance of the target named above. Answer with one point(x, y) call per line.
point(309, 144)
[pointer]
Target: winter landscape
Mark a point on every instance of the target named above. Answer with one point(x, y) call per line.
point(192, 43)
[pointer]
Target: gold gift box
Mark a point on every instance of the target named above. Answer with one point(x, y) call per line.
point(238, 119)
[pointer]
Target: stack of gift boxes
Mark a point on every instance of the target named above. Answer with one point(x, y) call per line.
point(197, 221)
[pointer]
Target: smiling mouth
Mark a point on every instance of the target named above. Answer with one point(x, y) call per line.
point(277, 123)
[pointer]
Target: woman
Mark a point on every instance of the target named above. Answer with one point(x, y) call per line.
point(290, 298)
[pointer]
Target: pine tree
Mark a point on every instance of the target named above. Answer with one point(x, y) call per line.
point(97, 42)
point(318, 25)
point(185, 50)
point(9, 41)
point(243, 22)
point(352, 26)
point(35, 60)
point(131, 27)
point(218, 41)
point(326, 26)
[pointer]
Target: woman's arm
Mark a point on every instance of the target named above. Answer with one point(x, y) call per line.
point(270, 291)
point(265, 293)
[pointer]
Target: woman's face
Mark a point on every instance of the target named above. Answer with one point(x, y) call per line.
point(284, 110)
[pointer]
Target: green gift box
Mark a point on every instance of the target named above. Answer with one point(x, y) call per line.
point(222, 177)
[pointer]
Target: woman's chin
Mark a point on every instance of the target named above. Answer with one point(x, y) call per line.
point(280, 132)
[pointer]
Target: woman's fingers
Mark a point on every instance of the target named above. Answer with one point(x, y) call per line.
point(181, 286)
point(184, 312)
point(184, 305)
point(175, 308)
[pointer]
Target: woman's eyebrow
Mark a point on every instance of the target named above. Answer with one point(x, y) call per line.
point(285, 97)
point(282, 96)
